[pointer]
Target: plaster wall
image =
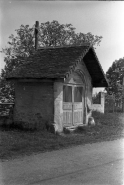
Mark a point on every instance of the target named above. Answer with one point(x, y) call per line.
point(34, 103)
point(58, 106)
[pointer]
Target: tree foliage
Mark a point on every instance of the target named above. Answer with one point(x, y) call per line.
point(96, 99)
point(22, 45)
point(115, 75)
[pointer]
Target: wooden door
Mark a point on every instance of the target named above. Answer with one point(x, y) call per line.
point(73, 105)
point(67, 106)
point(78, 105)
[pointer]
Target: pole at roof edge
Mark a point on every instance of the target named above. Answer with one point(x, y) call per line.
point(36, 34)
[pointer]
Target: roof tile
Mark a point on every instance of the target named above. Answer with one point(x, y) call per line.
point(56, 62)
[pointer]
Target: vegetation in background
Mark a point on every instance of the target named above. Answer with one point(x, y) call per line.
point(96, 99)
point(115, 76)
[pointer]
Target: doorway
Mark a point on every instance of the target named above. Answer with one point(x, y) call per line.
point(73, 104)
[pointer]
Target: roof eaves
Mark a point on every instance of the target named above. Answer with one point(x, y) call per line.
point(72, 67)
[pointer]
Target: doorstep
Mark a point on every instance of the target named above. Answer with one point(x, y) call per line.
point(73, 128)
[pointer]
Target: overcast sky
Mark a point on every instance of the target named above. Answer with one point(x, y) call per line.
point(105, 18)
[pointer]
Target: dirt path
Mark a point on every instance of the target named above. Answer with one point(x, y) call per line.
point(98, 163)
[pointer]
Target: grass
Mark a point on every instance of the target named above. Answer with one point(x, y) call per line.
point(15, 142)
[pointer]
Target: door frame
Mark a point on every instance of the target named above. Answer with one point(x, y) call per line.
point(67, 109)
point(78, 103)
point(83, 100)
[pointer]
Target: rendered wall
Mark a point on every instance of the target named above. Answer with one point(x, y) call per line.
point(58, 106)
point(34, 103)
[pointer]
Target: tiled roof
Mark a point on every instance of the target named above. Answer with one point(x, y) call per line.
point(54, 63)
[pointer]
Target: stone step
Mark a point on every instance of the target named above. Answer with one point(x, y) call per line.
point(72, 128)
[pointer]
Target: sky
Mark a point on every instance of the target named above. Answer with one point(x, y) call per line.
point(102, 18)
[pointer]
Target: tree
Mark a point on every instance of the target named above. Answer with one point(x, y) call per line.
point(115, 75)
point(22, 45)
point(96, 98)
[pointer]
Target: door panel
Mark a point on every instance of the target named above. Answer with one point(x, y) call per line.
point(77, 113)
point(78, 106)
point(67, 114)
point(78, 117)
point(67, 93)
point(78, 93)
point(67, 106)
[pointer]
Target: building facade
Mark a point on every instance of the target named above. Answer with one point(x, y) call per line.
point(55, 87)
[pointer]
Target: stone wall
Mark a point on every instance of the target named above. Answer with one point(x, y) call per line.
point(34, 104)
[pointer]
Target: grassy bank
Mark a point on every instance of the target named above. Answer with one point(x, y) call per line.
point(15, 143)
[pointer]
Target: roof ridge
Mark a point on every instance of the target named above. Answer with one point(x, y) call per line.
point(67, 46)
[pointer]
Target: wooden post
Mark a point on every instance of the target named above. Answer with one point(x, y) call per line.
point(36, 34)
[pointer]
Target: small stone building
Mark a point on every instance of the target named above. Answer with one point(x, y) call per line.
point(54, 86)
